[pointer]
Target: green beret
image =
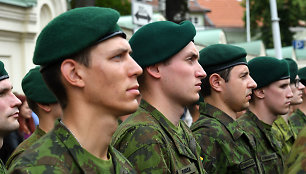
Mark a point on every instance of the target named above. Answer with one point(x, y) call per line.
point(73, 31)
point(36, 89)
point(293, 69)
point(3, 73)
point(218, 57)
point(159, 41)
point(302, 75)
point(266, 70)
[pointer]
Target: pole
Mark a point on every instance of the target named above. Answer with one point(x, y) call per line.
point(275, 30)
point(248, 31)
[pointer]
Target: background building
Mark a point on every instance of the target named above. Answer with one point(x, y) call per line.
point(20, 23)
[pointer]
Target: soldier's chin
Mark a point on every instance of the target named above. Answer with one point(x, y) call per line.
point(284, 112)
point(194, 100)
point(131, 109)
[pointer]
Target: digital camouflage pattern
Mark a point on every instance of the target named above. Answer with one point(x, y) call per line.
point(37, 134)
point(283, 133)
point(296, 162)
point(59, 152)
point(297, 122)
point(2, 168)
point(154, 145)
point(225, 147)
point(267, 147)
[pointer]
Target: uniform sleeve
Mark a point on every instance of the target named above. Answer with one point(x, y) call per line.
point(151, 158)
point(297, 158)
point(145, 149)
point(39, 169)
point(214, 160)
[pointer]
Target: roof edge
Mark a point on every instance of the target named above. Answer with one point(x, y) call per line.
point(20, 3)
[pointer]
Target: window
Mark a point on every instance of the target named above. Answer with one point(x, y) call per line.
point(196, 20)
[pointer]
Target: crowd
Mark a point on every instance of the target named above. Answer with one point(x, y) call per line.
point(243, 116)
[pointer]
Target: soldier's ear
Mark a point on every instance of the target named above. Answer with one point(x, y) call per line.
point(72, 72)
point(153, 70)
point(259, 93)
point(45, 107)
point(215, 82)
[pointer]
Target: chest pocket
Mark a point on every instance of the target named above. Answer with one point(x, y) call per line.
point(268, 157)
point(191, 168)
point(247, 164)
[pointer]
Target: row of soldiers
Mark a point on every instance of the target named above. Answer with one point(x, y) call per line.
point(96, 76)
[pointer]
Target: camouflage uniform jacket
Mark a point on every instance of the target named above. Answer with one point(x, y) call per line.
point(59, 152)
point(152, 144)
point(2, 168)
point(297, 121)
point(267, 147)
point(296, 160)
point(37, 134)
point(225, 147)
point(283, 133)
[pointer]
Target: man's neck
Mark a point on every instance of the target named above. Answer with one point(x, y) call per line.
point(263, 113)
point(170, 109)
point(1, 142)
point(218, 103)
point(302, 106)
point(87, 125)
point(46, 122)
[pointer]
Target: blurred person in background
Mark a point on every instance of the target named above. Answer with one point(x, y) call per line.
point(298, 118)
point(26, 128)
point(8, 109)
point(281, 127)
point(25, 119)
point(43, 102)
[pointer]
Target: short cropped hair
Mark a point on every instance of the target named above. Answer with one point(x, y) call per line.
point(52, 75)
point(206, 88)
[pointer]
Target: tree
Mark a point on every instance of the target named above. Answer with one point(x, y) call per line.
point(82, 3)
point(289, 12)
point(123, 6)
point(176, 10)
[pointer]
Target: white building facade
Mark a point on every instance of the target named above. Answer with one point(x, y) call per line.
point(20, 23)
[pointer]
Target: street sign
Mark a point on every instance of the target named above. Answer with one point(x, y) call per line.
point(298, 44)
point(142, 13)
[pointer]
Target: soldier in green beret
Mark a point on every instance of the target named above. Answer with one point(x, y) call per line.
point(298, 119)
point(85, 61)
point(270, 99)
point(41, 101)
point(154, 139)
point(8, 109)
point(226, 91)
point(295, 164)
point(281, 127)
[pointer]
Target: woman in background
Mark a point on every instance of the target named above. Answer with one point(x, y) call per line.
point(25, 119)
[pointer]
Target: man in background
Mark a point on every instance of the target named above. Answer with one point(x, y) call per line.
point(41, 101)
point(270, 99)
point(8, 109)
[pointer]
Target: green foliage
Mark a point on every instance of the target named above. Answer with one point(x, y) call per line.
point(123, 6)
point(176, 10)
point(289, 12)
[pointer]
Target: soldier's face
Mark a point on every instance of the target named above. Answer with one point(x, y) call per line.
point(181, 76)
point(8, 108)
point(297, 91)
point(238, 89)
point(277, 96)
point(111, 79)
